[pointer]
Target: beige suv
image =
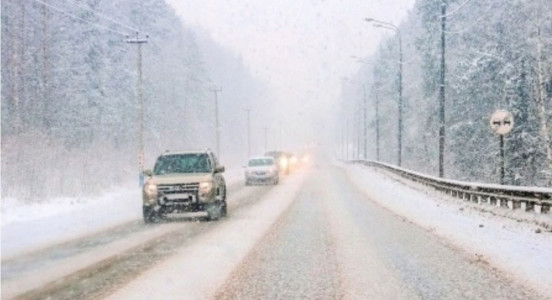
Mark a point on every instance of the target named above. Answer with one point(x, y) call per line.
point(189, 181)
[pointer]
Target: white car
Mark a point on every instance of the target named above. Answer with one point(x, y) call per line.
point(261, 169)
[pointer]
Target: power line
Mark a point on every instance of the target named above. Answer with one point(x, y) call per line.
point(457, 9)
point(99, 14)
point(79, 18)
point(466, 28)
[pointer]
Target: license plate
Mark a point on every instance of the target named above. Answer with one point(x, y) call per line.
point(177, 196)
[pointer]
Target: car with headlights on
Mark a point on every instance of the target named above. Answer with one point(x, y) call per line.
point(263, 169)
point(281, 159)
point(189, 181)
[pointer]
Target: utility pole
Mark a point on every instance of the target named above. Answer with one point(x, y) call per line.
point(442, 92)
point(359, 132)
point(265, 138)
point(400, 98)
point(281, 137)
point(377, 129)
point(248, 134)
point(140, 118)
point(365, 122)
point(215, 91)
point(342, 139)
point(347, 141)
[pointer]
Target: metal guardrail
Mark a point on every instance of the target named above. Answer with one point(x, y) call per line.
point(535, 199)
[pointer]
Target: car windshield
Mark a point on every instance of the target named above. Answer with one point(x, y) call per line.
point(182, 163)
point(261, 162)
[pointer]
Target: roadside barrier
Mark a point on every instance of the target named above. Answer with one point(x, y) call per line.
point(536, 199)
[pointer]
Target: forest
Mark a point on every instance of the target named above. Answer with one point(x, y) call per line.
point(498, 55)
point(69, 94)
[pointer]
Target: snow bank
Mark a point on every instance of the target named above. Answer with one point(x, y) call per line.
point(29, 227)
point(511, 245)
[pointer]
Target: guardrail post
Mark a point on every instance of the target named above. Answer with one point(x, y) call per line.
point(524, 205)
point(498, 202)
point(538, 208)
point(511, 204)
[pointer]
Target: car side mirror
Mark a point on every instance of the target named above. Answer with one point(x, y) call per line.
point(219, 169)
point(148, 173)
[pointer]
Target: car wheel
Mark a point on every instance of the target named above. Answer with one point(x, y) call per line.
point(214, 211)
point(224, 205)
point(224, 209)
point(150, 215)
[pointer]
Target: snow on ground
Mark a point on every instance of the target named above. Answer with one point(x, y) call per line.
point(26, 228)
point(196, 271)
point(511, 244)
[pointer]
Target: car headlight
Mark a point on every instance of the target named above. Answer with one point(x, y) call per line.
point(283, 162)
point(205, 187)
point(150, 188)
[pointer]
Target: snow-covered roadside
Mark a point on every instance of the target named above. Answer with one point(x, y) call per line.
point(26, 228)
point(512, 246)
point(196, 271)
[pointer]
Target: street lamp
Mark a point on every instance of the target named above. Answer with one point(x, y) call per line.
point(386, 25)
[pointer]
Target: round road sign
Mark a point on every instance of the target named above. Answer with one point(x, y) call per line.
point(502, 122)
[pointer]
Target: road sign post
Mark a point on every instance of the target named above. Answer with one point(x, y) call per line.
point(502, 122)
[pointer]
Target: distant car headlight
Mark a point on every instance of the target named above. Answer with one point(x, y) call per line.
point(205, 187)
point(283, 162)
point(150, 188)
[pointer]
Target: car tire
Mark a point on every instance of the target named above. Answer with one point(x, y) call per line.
point(150, 215)
point(214, 211)
point(224, 204)
point(224, 209)
point(275, 181)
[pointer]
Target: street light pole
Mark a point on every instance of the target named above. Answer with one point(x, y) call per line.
point(442, 92)
point(217, 128)
point(140, 117)
point(386, 25)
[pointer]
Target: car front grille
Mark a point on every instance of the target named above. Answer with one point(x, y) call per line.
point(190, 188)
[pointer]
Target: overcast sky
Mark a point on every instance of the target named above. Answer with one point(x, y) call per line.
point(299, 48)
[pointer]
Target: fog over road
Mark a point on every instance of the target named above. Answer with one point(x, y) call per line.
point(315, 236)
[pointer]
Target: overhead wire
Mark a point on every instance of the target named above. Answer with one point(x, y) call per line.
point(466, 28)
point(101, 15)
point(79, 18)
point(450, 14)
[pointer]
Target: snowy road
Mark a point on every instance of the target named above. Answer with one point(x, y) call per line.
point(67, 270)
point(317, 235)
point(335, 243)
